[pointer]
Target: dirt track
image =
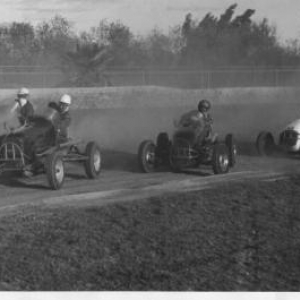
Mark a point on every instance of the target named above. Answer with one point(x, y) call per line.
point(122, 130)
point(126, 183)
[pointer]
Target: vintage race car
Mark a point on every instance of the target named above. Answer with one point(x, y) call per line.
point(183, 152)
point(35, 148)
point(288, 141)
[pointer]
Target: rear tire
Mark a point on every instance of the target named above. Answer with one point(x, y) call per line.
point(55, 170)
point(162, 150)
point(265, 144)
point(92, 165)
point(146, 156)
point(232, 149)
point(220, 159)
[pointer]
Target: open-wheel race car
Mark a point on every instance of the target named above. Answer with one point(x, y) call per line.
point(35, 148)
point(288, 141)
point(183, 152)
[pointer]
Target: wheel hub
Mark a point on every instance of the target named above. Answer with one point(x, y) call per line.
point(150, 157)
point(59, 171)
point(97, 161)
point(224, 161)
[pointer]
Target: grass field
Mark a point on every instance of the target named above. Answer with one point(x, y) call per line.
point(241, 237)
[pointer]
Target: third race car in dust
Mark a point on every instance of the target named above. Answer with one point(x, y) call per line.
point(288, 141)
point(184, 152)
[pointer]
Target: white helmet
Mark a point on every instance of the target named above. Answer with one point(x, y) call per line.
point(23, 92)
point(66, 99)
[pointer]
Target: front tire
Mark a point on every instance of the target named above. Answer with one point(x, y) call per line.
point(146, 156)
point(55, 170)
point(92, 165)
point(265, 144)
point(220, 159)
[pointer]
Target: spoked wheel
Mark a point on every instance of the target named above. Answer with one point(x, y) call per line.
point(265, 144)
point(55, 170)
point(146, 156)
point(92, 165)
point(220, 160)
point(232, 149)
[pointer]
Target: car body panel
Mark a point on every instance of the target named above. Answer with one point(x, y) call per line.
point(289, 138)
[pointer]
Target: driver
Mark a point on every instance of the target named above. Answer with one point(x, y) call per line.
point(23, 107)
point(64, 121)
point(200, 120)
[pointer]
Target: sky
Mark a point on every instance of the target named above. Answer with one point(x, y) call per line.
point(143, 15)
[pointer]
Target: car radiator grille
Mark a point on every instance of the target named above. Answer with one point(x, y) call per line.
point(11, 153)
point(288, 138)
point(183, 151)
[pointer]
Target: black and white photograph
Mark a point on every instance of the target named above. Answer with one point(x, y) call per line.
point(150, 146)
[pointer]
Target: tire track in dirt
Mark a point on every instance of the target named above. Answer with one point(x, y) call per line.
point(117, 185)
point(143, 191)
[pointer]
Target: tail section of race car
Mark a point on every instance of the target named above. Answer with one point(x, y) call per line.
point(288, 141)
point(289, 138)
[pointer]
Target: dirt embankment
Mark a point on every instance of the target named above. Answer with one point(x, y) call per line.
point(152, 96)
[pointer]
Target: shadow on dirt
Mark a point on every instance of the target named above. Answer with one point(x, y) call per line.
point(124, 161)
point(22, 182)
point(246, 148)
point(119, 161)
point(114, 160)
point(198, 172)
point(111, 160)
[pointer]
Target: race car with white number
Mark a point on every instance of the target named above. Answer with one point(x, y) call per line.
point(288, 141)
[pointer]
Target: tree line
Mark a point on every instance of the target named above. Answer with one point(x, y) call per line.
point(224, 41)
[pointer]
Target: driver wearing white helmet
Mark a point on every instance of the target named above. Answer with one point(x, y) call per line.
point(23, 106)
point(64, 122)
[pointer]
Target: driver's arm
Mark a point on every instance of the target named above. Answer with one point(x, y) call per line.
point(210, 119)
point(53, 105)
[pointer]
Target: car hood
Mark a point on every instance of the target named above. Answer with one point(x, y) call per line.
point(186, 134)
point(295, 125)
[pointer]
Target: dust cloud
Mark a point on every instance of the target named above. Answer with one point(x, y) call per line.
point(121, 130)
point(9, 118)
point(124, 129)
